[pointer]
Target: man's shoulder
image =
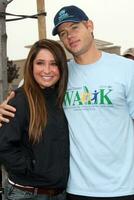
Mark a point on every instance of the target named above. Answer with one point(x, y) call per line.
point(115, 58)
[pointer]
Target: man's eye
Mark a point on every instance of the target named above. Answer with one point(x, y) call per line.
point(74, 27)
point(62, 34)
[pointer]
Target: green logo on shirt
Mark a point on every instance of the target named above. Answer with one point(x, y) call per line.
point(83, 96)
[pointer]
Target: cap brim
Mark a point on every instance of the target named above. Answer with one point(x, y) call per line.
point(55, 30)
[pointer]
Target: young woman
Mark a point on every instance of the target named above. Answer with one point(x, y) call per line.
point(34, 145)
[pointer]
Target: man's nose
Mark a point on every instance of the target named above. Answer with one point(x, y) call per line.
point(69, 33)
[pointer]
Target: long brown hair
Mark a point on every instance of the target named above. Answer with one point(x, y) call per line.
point(37, 107)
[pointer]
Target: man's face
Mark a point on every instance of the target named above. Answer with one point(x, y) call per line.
point(76, 37)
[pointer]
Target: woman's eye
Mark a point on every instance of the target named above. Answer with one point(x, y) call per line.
point(39, 63)
point(54, 64)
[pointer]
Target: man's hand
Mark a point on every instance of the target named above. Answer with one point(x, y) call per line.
point(6, 110)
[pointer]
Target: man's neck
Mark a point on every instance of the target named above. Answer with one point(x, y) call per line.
point(89, 57)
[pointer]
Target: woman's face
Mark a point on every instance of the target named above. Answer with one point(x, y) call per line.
point(45, 69)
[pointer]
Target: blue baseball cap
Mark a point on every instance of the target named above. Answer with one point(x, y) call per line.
point(68, 14)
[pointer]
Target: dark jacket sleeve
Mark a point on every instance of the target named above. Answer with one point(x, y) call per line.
point(13, 138)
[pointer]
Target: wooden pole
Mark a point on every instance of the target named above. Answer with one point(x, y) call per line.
point(41, 19)
point(3, 52)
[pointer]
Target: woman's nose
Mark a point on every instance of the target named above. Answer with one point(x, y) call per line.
point(46, 69)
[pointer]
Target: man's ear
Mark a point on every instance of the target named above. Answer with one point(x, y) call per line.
point(90, 25)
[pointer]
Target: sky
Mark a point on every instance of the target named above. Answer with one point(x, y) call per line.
point(113, 22)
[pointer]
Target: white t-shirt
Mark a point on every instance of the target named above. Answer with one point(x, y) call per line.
point(99, 105)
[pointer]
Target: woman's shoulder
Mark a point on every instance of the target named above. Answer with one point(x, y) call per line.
point(19, 92)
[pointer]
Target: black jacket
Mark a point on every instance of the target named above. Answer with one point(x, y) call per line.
point(45, 164)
